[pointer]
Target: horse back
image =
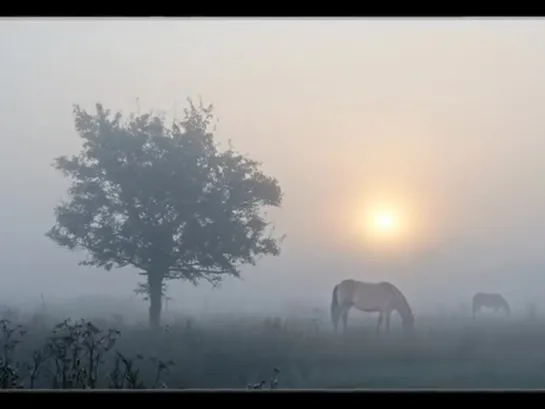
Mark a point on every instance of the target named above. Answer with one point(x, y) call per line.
point(365, 296)
point(489, 299)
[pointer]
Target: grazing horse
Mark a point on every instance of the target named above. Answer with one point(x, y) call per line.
point(380, 297)
point(490, 300)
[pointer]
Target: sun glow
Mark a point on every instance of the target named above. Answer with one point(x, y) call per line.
point(391, 222)
point(383, 223)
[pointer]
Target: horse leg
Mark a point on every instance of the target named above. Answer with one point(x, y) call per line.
point(344, 318)
point(336, 316)
point(475, 309)
point(388, 314)
point(379, 323)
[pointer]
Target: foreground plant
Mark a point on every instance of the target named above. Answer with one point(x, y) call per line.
point(10, 337)
point(273, 382)
point(71, 358)
point(77, 350)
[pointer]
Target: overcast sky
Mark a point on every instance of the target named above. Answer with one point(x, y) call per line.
point(442, 118)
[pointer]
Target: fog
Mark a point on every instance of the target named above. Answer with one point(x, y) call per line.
point(443, 117)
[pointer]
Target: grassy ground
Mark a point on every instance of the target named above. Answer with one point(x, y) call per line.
point(445, 353)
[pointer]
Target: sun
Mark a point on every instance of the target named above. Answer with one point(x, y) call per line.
point(384, 222)
point(388, 223)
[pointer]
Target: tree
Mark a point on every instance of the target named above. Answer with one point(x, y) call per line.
point(166, 200)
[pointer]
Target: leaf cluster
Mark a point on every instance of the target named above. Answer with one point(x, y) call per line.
point(163, 198)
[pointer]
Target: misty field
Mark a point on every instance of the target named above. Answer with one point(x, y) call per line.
point(254, 352)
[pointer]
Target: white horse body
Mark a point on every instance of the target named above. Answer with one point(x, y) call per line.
point(368, 297)
point(380, 297)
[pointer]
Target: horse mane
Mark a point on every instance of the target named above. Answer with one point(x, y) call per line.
point(400, 295)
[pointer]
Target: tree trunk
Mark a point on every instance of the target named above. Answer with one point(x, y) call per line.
point(155, 283)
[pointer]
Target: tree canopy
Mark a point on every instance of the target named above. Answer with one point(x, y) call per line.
point(164, 199)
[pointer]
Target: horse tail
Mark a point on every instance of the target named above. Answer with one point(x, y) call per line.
point(334, 305)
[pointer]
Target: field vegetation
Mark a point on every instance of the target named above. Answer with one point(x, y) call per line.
point(42, 351)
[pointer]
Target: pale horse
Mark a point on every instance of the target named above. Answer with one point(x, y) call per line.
point(380, 297)
point(490, 300)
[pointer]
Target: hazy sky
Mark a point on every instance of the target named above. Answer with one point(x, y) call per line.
point(442, 118)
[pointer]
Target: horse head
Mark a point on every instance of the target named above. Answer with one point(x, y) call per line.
point(507, 309)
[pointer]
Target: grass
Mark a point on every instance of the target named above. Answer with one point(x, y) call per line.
point(257, 353)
